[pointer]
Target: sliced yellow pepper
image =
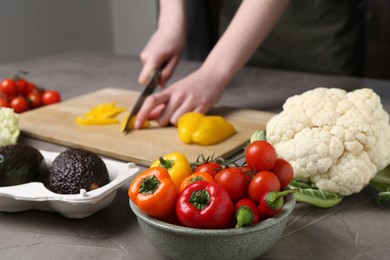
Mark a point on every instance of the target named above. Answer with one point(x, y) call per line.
point(102, 114)
point(96, 121)
point(176, 164)
point(197, 128)
point(130, 124)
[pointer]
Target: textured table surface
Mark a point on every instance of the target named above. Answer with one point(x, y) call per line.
point(354, 229)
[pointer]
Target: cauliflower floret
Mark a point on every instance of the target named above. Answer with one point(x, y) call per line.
point(335, 139)
point(9, 126)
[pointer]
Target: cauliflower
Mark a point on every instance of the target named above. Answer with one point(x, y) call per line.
point(9, 126)
point(336, 140)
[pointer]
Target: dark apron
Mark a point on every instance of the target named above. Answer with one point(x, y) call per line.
point(321, 36)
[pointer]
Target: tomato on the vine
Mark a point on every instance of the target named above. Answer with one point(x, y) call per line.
point(261, 183)
point(21, 86)
point(4, 102)
point(19, 104)
point(8, 87)
point(210, 167)
point(34, 99)
point(249, 173)
point(233, 179)
point(260, 155)
point(284, 171)
point(51, 97)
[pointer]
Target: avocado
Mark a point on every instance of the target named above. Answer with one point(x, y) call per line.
point(76, 169)
point(19, 164)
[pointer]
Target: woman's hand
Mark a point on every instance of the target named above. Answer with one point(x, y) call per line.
point(196, 92)
point(166, 44)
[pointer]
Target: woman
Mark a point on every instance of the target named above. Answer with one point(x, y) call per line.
point(323, 36)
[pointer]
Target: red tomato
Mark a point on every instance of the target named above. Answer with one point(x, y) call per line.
point(210, 167)
point(30, 88)
point(34, 99)
point(51, 97)
point(260, 155)
point(284, 171)
point(4, 102)
point(21, 86)
point(8, 87)
point(234, 181)
point(19, 104)
point(248, 172)
point(261, 183)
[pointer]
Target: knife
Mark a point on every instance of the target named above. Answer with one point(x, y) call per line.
point(149, 89)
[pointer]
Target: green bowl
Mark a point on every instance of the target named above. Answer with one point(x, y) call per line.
point(178, 242)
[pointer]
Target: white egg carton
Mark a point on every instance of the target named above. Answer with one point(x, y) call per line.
point(35, 195)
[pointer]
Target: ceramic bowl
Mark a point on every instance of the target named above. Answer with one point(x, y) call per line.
point(178, 242)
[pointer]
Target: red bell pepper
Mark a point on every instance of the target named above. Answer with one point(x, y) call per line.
point(272, 202)
point(246, 212)
point(205, 205)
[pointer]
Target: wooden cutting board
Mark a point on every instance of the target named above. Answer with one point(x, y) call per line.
point(56, 123)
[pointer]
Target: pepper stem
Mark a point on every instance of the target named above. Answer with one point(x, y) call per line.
point(166, 163)
point(149, 185)
point(275, 199)
point(199, 199)
point(244, 216)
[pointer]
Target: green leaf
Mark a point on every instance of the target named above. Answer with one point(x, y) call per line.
point(318, 198)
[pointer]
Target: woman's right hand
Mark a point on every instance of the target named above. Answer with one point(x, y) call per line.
point(166, 44)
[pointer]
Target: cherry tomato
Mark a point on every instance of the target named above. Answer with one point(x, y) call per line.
point(210, 167)
point(4, 102)
point(284, 171)
point(51, 97)
point(261, 183)
point(19, 104)
point(249, 173)
point(30, 88)
point(8, 87)
point(260, 155)
point(21, 86)
point(233, 179)
point(34, 99)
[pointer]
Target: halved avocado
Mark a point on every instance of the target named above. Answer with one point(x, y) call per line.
point(76, 169)
point(19, 164)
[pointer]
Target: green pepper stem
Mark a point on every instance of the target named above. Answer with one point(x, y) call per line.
point(244, 216)
point(275, 199)
point(149, 185)
point(166, 163)
point(199, 199)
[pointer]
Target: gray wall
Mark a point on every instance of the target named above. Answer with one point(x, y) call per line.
point(33, 28)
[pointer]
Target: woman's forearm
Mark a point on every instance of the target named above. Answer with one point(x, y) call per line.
point(247, 30)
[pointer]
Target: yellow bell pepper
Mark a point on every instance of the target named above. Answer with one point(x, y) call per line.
point(176, 164)
point(197, 128)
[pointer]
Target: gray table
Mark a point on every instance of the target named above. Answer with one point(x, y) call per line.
point(355, 229)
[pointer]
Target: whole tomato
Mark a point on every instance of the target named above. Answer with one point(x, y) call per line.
point(260, 155)
point(249, 173)
point(234, 181)
point(51, 97)
point(262, 183)
point(34, 99)
point(21, 86)
point(8, 87)
point(284, 171)
point(19, 104)
point(210, 167)
point(4, 102)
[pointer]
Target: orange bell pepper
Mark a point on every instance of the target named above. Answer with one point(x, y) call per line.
point(154, 192)
point(196, 176)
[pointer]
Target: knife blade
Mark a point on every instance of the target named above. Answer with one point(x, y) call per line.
point(149, 89)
